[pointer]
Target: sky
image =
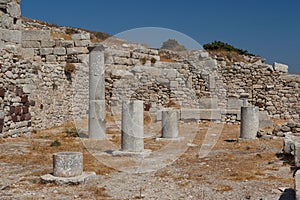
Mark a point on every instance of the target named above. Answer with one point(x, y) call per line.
point(267, 28)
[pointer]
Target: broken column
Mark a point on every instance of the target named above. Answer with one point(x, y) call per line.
point(249, 122)
point(169, 123)
point(68, 169)
point(97, 122)
point(132, 129)
point(67, 164)
point(297, 153)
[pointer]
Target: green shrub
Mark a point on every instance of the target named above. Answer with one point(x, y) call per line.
point(218, 45)
point(143, 60)
point(55, 143)
point(153, 60)
point(71, 131)
point(101, 36)
point(71, 31)
point(69, 69)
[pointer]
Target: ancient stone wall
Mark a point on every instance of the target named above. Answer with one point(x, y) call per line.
point(44, 78)
point(273, 91)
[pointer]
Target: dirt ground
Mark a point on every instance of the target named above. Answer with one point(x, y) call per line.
point(233, 168)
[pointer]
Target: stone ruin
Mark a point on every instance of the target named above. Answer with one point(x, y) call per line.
point(44, 79)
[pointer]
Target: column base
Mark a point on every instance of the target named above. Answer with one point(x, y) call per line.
point(141, 154)
point(83, 178)
point(177, 139)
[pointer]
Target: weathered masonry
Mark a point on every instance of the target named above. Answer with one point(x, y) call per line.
point(44, 78)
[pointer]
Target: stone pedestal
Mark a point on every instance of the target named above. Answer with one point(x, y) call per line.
point(68, 169)
point(97, 123)
point(132, 129)
point(249, 122)
point(67, 164)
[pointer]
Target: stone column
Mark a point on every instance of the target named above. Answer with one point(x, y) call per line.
point(97, 120)
point(297, 153)
point(67, 164)
point(133, 126)
point(249, 122)
point(169, 123)
point(297, 184)
point(97, 123)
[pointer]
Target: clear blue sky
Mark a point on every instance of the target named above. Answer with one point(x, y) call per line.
point(269, 28)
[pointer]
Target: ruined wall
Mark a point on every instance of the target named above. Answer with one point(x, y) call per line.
point(15, 115)
point(44, 78)
point(273, 91)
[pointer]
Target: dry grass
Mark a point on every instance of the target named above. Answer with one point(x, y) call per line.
point(165, 59)
point(57, 35)
point(231, 160)
point(231, 56)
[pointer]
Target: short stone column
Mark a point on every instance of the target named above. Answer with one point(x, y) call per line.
point(132, 129)
point(68, 169)
point(97, 123)
point(297, 184)
point(133, 126)
point(67, 164)
point(249, 122)
point(297, 153)
point(169, 125)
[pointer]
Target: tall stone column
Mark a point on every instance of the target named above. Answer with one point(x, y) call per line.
point(249, 122)
point(97, 122)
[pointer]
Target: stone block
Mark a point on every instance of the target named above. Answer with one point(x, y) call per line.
point(174, 84)
point(27, 53)
point(264, 120)
point(51, 58)
point(31, 44)
point(163, 81)
point(210, 114)
point(82, 43)
point(46, 51)
point(234, 103)
point(119, 53)
point(208, 103)
point(289, 144)
point(36, 35)
point(14, 9)
point(232, 112)
point(211, 64)
point(77, 50)
point(65, 43)
point(203, 54)
point(59, 51)
point(169, 73)
point(81, 36)
point(189, 114)
point(280, 67)
point(11, 35)
point(212, 82)
point(47, 43)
